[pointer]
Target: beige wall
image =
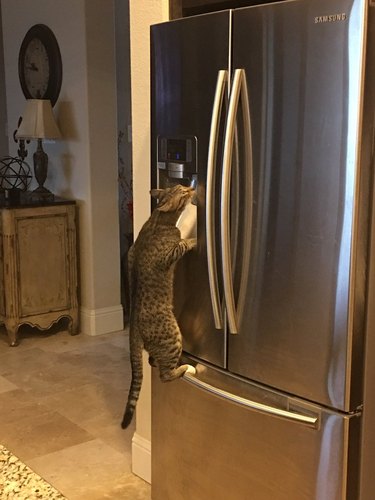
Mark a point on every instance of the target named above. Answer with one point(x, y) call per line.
point(82, 166)
point(142, 15)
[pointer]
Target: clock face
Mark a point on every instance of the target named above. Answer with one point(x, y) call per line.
point(39, 64)
point(36, 68)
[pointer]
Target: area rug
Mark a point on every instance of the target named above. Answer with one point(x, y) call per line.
point(19, 482)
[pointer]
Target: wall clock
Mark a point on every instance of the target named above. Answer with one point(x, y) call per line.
point(39, 64)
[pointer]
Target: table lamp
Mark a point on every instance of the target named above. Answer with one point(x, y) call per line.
point(38, 122)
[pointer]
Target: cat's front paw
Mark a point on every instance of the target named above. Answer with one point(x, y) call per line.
point(192, 243)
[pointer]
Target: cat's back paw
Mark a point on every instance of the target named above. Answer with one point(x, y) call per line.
point(190, 369)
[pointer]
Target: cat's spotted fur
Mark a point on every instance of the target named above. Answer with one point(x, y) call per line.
point(152, 259)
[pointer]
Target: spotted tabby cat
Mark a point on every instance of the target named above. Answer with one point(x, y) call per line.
point(152, 259)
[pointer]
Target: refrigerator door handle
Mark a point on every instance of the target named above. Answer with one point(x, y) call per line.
point(296, 417)
point(239, 87)
point(222, 79)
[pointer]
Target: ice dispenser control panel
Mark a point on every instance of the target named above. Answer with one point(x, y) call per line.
point(176, 160)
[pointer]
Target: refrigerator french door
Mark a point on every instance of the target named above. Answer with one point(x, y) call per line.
point(268, 110)
point(186, 60)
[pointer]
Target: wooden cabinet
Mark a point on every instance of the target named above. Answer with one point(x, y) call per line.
point(38, 266)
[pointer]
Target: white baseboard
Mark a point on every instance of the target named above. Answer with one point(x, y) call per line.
point(141, 457)
point(101, 321)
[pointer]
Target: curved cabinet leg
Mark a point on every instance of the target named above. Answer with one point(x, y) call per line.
point(12, 330)
point(73, 324)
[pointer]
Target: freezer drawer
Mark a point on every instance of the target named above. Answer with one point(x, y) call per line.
point(206, 448)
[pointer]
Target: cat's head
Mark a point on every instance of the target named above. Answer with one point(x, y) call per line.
point(173, 199)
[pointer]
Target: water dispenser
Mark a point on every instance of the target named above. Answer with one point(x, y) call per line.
point(177, 161)
point(177, 164)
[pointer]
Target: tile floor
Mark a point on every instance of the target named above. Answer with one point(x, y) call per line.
point(61, 403)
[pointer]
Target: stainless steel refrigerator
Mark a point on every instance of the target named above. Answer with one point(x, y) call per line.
point(269, 111)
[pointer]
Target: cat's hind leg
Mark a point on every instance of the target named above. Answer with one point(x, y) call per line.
point(170, 370)
point(167, 352)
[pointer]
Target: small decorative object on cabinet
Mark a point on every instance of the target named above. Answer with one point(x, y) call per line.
point(15, 177)
point(38, 265)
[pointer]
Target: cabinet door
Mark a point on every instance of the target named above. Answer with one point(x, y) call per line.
point(42, 250)
point(40, 275)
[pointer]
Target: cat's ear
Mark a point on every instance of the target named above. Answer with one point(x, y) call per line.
point(156, 193)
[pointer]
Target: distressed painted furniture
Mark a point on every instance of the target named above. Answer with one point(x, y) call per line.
point(38, 266)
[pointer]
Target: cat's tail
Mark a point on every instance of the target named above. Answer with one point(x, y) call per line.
point(136, 347)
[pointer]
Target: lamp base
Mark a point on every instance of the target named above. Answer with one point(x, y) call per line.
point(42, 190)
point(41, 193)
point(40, 171)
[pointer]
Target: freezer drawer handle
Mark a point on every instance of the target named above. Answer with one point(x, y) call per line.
point(307, 420)
point(222, 79)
